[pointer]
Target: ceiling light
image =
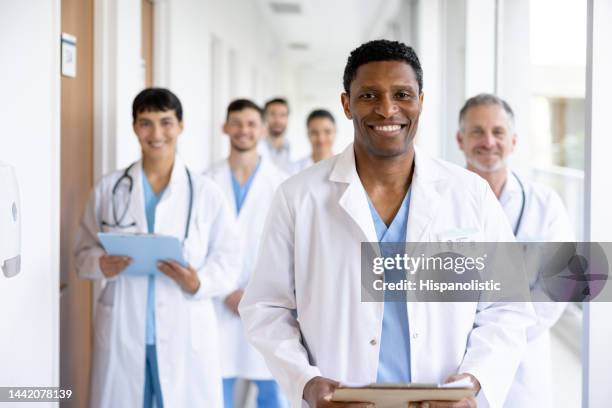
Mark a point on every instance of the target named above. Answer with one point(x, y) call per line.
point(299, 46)
point(286, 8)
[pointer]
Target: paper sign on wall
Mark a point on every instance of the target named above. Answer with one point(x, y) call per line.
point(69, 55)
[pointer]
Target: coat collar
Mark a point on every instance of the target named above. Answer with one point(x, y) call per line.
point(511, 189)
point(177, 184)
point(427, 185)
point(222, 173)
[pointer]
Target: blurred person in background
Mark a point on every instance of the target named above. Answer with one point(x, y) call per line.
point(276, 144)
point(321, 127)
point(248, 181)
point(487, 138)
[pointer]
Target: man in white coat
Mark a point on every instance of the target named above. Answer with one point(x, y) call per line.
point(249, 182)
point(276, 145)
point(302, 308)
point(487, 138)
point(155, 336)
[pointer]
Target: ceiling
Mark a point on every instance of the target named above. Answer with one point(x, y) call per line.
point(319, 34)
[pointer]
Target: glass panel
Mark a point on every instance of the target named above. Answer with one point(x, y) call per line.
point(557, 52)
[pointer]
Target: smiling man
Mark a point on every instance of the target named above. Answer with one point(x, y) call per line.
point(487, 137)
point(302, 308)
point(276, 145)
point(248, 181)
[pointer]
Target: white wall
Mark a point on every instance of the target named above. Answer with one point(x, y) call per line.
point(514, 82)
point(430, 51)
point(184, 31)
point(238, 28)
point(597, 356)
point(118, 77)
point(317, 89)
point(30, 141)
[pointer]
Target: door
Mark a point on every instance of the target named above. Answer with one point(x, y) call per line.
point(76, 183)
point(147, 10)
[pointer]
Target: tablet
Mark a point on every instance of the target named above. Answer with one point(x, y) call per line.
point(399, 395)
point(144, 249)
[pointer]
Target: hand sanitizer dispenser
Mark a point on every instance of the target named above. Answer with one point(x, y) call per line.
point(10, 222)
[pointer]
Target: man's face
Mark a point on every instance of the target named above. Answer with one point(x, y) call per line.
point(157, 133)
point(322, 134)
point(277, 118)
point(486, 138)
point(385, 105)
point(244, 129)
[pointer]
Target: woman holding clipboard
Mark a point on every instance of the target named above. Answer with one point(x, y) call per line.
point(155, 339)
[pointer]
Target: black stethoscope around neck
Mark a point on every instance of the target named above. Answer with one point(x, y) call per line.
point(523, 199)
point(119, 218)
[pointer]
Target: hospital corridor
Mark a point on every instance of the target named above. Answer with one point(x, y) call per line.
point(305, 203)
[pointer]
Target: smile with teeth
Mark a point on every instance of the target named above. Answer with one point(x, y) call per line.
point(387, 128)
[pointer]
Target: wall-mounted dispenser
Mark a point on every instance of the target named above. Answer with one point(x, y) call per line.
point(10, 222)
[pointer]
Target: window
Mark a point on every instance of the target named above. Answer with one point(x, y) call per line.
point(557, 58)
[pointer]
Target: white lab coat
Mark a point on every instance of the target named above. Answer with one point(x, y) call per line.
point(186, 326)
point(303, 310)
point(544, 220)
point(239, 358)
point(302, 164)
point(282, 157)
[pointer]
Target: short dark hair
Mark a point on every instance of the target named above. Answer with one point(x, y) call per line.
point(485, 99)
point(156, 100)
point(242, 104)
point(282, 101)
point(320, 114)
point(381, 50)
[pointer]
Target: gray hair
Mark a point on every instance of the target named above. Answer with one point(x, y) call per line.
point(485, 99)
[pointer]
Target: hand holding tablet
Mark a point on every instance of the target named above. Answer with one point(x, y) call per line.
point(144, 250)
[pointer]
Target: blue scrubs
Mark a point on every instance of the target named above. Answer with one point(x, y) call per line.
point(394, 355)
point(268, 392)
point(152, 389)
point(241, 191)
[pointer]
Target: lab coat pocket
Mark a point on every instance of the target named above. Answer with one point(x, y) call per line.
point(459, 235)
point(103, 326)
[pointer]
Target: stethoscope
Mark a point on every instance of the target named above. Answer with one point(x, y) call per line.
point(130, 180)
point(520, 217)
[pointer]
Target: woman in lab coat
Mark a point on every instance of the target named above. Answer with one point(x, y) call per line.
point(321, 127)
point(155, 338)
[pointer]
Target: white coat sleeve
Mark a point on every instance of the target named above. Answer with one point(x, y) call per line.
point(497, 341)
point(268, 306)
point(221, 267)
point(88, 249)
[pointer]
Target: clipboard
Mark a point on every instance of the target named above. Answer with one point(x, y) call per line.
point(399, 395)
point(144, 249)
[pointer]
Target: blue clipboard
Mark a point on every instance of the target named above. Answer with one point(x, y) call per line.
point(144, 249)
